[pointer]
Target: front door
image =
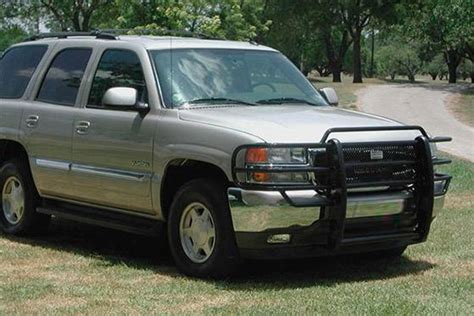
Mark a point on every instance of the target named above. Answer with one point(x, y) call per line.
point(112, 149)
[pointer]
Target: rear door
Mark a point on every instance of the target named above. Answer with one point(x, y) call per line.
point(48, 120)
point(17, 69)
point(112, 149)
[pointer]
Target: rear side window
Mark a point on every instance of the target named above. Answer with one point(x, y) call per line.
point(63, 79)
point(17, 67)
point(117, 68)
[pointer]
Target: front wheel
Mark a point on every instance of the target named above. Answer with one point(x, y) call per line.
point(200, 231)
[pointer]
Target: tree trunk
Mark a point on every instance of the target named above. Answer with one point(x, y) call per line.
point(472, 77)
point(336, 76)
point(372, 50)
point(452, 69)
point(433, 75)
point(336, 60)
point(411, 78)
point(392, 76)
point(453, 58)
point(356, 55)
point(335, 67)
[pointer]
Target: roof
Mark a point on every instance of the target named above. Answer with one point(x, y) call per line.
point(156, 42)
point(160, 42)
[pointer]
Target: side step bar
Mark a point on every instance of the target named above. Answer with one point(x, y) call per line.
point(382, 238)
point(104, 218)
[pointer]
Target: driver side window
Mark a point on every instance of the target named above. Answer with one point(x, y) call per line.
point(117, 68)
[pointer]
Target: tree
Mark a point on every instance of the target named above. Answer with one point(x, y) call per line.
point(400, 56)
point(409, 64)
point(467, 69)
point(11, 28)
point(287, 21)
point(311, 38)
point(10, 36)
point(230, 19)
point(387, 64)
point(336, 37)
point(75, 14)
point(443, 25)
point(436, 67)
point(356, 16)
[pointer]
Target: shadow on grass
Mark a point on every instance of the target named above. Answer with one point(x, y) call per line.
point(469, 91)
point(327, 272)
point(403, 81)
point(111, 248)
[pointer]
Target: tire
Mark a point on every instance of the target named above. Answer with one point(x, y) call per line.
point(18, 201)
point(194, 249)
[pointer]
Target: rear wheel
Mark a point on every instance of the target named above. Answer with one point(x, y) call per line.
point(200, 231)
point(18, 201)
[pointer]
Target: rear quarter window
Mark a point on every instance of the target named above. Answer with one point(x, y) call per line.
point(17, 66)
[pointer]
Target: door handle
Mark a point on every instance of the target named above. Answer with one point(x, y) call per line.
point(82, 127)
point(32, 121)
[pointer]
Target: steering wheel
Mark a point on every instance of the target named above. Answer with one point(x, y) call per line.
point(264, 84)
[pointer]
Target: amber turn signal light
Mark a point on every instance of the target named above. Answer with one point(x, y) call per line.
point(256, 155)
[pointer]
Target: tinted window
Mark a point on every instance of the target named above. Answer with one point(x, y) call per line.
point(16, 69)
point(117, 68)
point(61, 83)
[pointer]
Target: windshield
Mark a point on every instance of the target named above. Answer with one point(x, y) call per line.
point(218, 76)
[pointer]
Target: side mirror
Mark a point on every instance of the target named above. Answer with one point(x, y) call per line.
point(330, 95)
point(123, 98)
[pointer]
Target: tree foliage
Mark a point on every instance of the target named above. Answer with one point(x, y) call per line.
point(230, 19)
point(399, 58)
point(436, 67)
point(356, 16)
point(330, 36)
point(443, 25)
point(74, 14)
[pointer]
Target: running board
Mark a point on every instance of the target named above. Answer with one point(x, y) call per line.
point(380, 238)
point(104, 218)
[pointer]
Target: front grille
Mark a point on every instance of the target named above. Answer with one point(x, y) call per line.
point(361, 153)
point(365, 163)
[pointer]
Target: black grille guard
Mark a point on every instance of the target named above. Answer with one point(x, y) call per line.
point(331, 182)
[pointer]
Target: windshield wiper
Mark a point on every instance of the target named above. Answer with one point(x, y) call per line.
point(218, 100)
point(285, 100)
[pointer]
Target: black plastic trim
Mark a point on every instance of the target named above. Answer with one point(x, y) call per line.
point(104, 218)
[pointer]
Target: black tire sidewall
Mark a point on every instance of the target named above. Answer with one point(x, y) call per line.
point(225, 258)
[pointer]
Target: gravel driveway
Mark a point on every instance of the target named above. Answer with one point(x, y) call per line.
point(421, 105)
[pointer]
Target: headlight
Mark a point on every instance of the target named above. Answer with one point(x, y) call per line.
point(260, 155)
point(276, 157)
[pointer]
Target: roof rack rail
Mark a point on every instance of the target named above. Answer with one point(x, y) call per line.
point(160, 32)
point(97, 34)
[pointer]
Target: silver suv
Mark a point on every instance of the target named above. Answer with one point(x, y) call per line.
point(224, 145)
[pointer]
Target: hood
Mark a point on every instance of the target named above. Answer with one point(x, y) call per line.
point(294, 123)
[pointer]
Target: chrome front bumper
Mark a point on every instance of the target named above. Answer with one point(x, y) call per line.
point(258, 211)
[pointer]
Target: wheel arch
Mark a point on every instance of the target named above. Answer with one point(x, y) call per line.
point(180, 171)
point(10, 149)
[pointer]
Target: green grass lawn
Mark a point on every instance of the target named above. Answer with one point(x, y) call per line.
point(78, 269)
